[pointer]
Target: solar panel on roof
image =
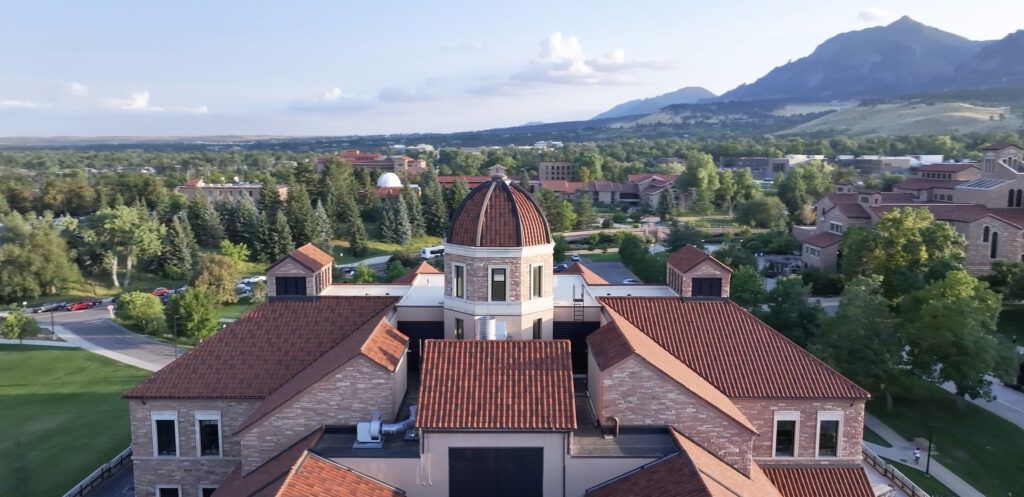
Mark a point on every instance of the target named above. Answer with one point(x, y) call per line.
point(983, 183)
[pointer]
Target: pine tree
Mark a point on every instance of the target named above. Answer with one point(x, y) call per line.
point(403, 228)
point(665, 204)
point(586, 216)
point(179, 248)
point(412, 203)
point(456, 194)
point(205, 222)
point(250, 226)
point(228, 214)
point(300, 216)
point(388, 230)
point(277, 239)
point(435, 212)
point(269, 201)
point(323, 231)
point(357, 239)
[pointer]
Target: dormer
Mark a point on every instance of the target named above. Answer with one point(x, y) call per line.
point(306, 272)
point(693, 273)
point(869, 197)
point(844, 187)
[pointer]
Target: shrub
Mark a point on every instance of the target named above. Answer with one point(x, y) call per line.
point(218, 275)
point(140, 311)
point(192, 314)
point(18, 325)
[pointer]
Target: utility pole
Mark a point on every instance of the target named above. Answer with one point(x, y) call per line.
point(928, 463)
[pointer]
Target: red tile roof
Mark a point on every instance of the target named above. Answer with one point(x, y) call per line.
point(471, 181)
point(639, 178)
point(314, 476)
point(927, 184)
point(619, 339)
point(692, 472)
point(590, 277)
point(309, 256)
point(263, 350)
point(410, 276)
point(498, 214)
point(947, 167)
point(897, 197)
point(268, 477)
point(853, 211)
point(820, 481)
point(1000, 146)
point(563, 186)
point(496, 384)
point(733, 350)
point(824, 239)
point(689, 257)
point(842, 198)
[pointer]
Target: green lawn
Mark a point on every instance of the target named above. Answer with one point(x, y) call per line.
point(599, 257)
point(980, 447)
point(377, 248)
point(923, 480)
point(871, 436)
point(235, 311)
point(62, 416)
point(1011, 321)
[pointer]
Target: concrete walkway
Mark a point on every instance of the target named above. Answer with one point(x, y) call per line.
point(1008, 403)
point(93, 330)
point(903, 451)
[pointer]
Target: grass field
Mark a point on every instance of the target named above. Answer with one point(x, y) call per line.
point(923, 480)
point(980, 447)
point(234, 311)
point(62, 416)
point(378, 248)
point(871, 436)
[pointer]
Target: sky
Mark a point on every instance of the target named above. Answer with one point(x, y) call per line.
point(306, 67)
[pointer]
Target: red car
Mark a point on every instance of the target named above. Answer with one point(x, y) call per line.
point(83, 305)
point(160, 292)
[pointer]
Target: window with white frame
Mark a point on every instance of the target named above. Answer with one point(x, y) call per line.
point(835, 227)
point(829, 428)
point(537, 281)
point(785, 437)
point(459, 280)
point(208, 434)
point(168, 491)
point(165, 433)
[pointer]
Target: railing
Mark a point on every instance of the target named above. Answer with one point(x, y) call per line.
point(894, 475)
point(102, 472)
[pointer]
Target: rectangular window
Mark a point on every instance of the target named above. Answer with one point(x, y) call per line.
point(208, 434)
point(291, 285)
point(706, 287)
point(538, 281)
point(786, 433)
point(165, 434)
point(168, 491)
point(836, 228)
point(828, 429)
point(206, 491)
point(459, 284)
point(538, 326)
point(460, 329)
point(498, 284)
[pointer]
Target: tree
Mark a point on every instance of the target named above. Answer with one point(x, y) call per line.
point(561, 246)
point(388, 226)
point(259, 293)
point(395, 270)
point(567, 215)
point(456, 194)
point(435, 212)
point(790, 312)
point(301, 220)
point(192, 314)
point(218, 275)
point(803, 185)
point(862, 340)
point(699, 182)
point(128, 232)
point(552, 210)
point(746, 187)
point(179, 250)
point(357, 239)
point(250, 225)
point(237, 252)
point(269, 202)
point(395, 225)
point(681, 234)
point(586, 216)
point(951, 333)
point(277, 239)
point(632, 249)
point(205, 222)
point(34, 258)
point(364, 274)
point(726, 194)
point(323, 228)
point(227, 214)
point(141, 311)
point(747, 289)
point(18, 325)
point(415, 210)
point(763, 212)
point(666, 205)
point(732, 254)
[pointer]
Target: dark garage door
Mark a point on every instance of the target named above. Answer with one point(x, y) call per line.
point(416, 331)
point(505, 472)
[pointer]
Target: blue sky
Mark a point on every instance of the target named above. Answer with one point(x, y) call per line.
point(346, 67)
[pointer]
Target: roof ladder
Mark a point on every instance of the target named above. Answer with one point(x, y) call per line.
point(577, 305)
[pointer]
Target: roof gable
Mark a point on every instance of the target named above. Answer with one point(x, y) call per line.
point(689, 257)
point(316, 476)
point(410, 276)
point(309, 256)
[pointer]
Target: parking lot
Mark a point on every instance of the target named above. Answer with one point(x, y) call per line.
point(613, 272)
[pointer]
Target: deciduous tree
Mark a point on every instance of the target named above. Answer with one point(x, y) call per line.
point(218, 275)
point(141, 311)
point(192, 314)
point(128, 232)
point(790, 312)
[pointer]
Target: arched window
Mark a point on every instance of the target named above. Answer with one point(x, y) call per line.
point(1019, 193)
point(1010, 198)
point(995, 245)
point(984, 234)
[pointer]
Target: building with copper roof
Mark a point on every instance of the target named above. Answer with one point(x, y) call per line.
point(497, 376)
point(984, 203)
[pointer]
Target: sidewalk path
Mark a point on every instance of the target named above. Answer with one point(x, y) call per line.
point(93, 330)
point(902, 451)
point(1008, 404)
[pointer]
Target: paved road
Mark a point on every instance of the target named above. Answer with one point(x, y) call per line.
point(612, 271)
point(1008, 403)
point(120, 484)
point(94, 331)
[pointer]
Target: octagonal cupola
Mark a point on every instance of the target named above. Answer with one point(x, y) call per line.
point(498, 263)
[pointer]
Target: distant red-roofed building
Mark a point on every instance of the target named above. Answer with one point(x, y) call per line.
point(226, 192)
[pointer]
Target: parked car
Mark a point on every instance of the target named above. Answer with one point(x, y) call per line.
point(242, 287)
point(52, 306)
point(561, 267)
point(160, 292)
point(348, 270)
point(575, 257)
point(83, 305)
point(630, 281)
point(253, 279)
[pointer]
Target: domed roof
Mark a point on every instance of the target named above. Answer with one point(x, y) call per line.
point(497, 214)
point(389, 180)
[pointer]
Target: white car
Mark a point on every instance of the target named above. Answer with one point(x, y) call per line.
point(630, 281)
point(253, 279)
point(575, 257)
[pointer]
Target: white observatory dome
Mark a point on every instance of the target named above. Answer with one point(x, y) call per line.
point(389, 180)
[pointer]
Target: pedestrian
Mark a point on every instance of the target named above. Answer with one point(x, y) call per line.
point(917, 455)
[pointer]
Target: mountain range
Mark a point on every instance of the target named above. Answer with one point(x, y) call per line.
point(688, 95)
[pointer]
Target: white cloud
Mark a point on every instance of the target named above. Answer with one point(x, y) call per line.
point(331, 94)
point(77, 89)
point(137, 101)
point(557, 48)
point(332, 100)
point(22, 104)
point(876, 16)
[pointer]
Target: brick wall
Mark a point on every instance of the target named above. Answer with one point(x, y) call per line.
point(289, 268)
point(761, 412)
point(978, 252)
point(638, 394)
point(682, 283)
point(186, 470)
point(351, 394)
point(518, 276)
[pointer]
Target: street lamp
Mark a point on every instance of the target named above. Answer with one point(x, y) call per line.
point(928, 463)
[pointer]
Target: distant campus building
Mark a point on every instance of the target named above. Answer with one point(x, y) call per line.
point(983, 202)
point(497, 376)
point(400, 164)
point(226, 192)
